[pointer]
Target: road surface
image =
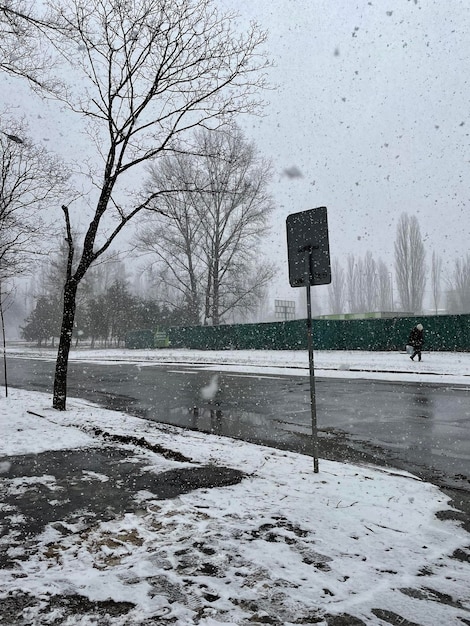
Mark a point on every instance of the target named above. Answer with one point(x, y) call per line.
point(419, 427)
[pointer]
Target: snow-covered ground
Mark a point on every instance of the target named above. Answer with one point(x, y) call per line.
point(283, 546)
point(446, 367)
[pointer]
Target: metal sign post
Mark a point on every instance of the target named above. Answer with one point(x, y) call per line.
point(309, 264)
point(311, 366)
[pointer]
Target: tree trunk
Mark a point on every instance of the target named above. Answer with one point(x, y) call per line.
point(215, 305)
point(65, 340)
point(4, 346)
point(215, 288)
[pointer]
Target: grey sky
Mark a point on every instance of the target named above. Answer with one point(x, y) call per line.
point(372, 107)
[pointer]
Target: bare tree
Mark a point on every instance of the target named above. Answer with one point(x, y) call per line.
point(234, 209)
point(29, 178)
point(142, 74)
point(410, 268)
point(384, 287)
point(22, 52)
point(336, 289)
point(459, 286)
point(369, 282)
point(362, 283)
point(353, 284)
point(436, 269)
point(206, 239)
point(173, 237)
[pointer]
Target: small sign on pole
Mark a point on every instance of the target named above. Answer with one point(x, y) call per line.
point(309, 264)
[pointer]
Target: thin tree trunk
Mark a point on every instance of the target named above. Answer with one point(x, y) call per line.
point(65, 340)
point(215, 285)
point(207, 307)
point(4, 346)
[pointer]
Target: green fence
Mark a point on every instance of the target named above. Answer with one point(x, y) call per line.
point(442, 332)
point(147, 339)
point(140, 339)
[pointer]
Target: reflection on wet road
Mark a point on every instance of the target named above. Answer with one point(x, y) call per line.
point(419, 427)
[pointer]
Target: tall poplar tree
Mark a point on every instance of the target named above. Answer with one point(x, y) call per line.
point(410, 266)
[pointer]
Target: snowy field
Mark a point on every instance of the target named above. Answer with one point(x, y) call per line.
point(347, 546)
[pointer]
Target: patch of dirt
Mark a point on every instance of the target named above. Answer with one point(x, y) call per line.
point(393, 618)
point(140, 442)
point(84, 486)
point(343, 620)
point(22, 609)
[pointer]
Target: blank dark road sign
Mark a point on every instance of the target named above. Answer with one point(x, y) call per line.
point(308, 248)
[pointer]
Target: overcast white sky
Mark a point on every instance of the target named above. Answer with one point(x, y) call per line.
point(371, 104)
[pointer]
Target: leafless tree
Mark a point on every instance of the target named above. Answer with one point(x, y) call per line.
point(353, 284)
point(367, 283)
point(362, 283)
point(370, 282)
point(436, 269)
point(336, 289)
point(173, 237)
point(142, 74)
point(384, 287)
point(410, 267)
point(29, 179)
point(205, 241)
point(23, 25)
point(459, 286)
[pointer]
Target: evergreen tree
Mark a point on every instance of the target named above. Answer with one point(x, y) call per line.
point(43, 323)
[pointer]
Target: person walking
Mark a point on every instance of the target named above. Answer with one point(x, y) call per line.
point(416, 340)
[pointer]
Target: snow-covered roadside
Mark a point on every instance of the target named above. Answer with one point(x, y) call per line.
point(284, 546)
point(436, 367)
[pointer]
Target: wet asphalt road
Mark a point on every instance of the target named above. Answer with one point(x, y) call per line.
point(421, 428)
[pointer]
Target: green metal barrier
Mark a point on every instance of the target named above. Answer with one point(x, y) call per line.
point(442, 332)
point(140, 339)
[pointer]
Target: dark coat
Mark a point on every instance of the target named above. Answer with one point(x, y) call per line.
point(416, 338)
